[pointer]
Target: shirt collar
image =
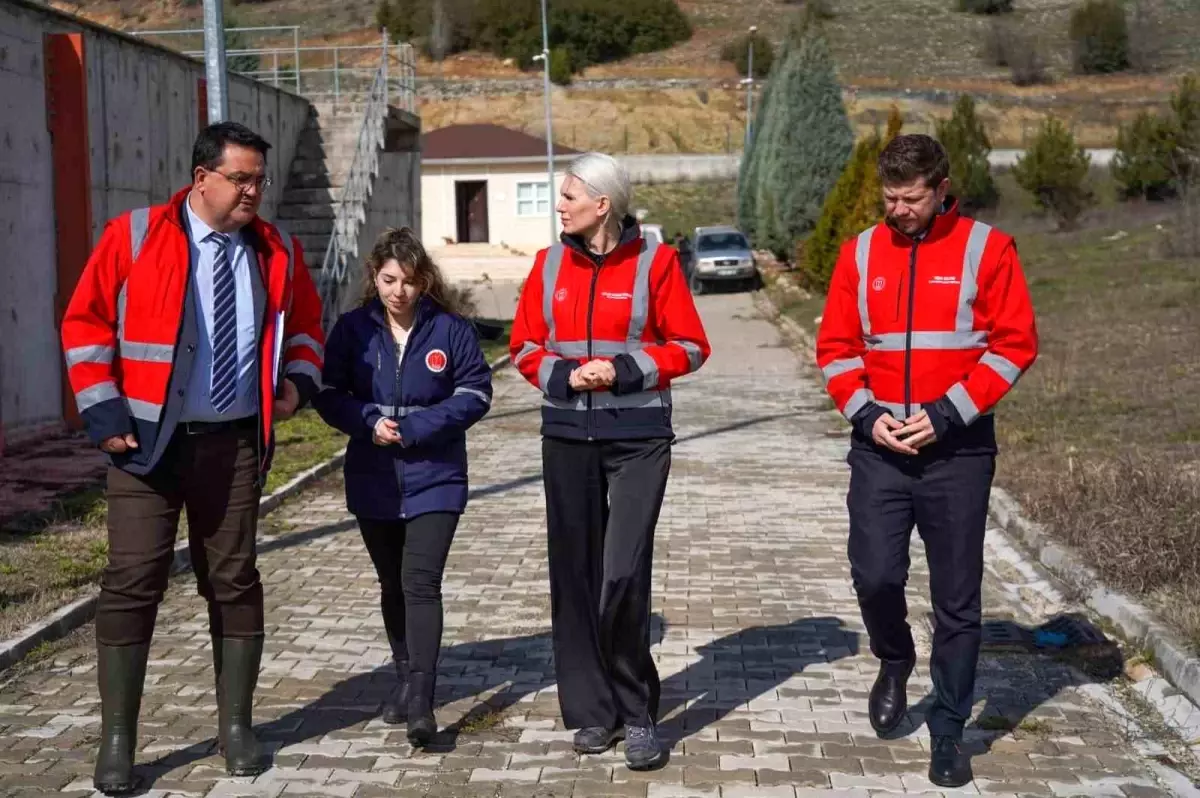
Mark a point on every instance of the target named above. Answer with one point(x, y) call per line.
point(200, 229)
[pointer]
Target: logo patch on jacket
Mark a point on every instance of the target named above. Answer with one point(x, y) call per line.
point(435, 361)
point(560, 295)
point(878, 283)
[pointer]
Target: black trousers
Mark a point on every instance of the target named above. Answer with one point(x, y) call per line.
point(215, 477)
point(410, 557)
point(602, 504)
point(947, 499)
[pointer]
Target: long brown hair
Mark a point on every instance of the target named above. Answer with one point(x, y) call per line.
point(402, 245)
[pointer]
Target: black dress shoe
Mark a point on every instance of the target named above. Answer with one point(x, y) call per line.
point(948, 765)
point(889, 701)
point(597, 739)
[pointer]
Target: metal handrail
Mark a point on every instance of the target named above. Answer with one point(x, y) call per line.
point(330, 76)
point(293, 29)
point(293, 65)
point(340, 263)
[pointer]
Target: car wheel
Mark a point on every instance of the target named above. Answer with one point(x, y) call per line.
point(697, 286)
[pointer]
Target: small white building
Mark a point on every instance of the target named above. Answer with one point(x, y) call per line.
point(488, 184)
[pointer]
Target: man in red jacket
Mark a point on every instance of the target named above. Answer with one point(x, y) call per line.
point(927, 325)
point(193, 326)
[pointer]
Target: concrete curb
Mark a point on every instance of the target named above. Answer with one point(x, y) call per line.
point(1134, 622)
point(67, 619)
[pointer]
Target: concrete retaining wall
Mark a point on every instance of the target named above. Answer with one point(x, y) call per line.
point(143, 116)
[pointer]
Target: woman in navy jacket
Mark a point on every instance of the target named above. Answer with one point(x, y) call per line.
point(405, 377)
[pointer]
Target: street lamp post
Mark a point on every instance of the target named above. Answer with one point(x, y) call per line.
point(214, 61)
point(750, 88)
point(545, 59)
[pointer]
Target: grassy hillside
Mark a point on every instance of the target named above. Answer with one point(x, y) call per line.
point(713, 120)
point(909, 43)
point(911, 53)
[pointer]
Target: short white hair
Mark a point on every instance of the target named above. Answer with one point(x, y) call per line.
point(604, 176)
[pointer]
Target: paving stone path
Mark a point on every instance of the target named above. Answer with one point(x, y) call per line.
point(761, 649)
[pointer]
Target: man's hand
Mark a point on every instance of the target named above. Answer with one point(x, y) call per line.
point(119, 444)
point(285, 405)
point(883, 434)
point(387, 432)
point(595, 374)
point(917, 431)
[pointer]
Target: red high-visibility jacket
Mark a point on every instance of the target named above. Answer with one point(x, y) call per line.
point(634, 309)
point(942, 323)
point(121, 333)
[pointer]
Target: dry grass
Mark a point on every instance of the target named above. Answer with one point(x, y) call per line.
point(929, 39)
point(301, 442)
point(712, 120)
point(50, 558)
point(670, 120)
point(1101, 440)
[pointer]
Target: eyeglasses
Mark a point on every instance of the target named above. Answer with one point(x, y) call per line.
point(244, 184)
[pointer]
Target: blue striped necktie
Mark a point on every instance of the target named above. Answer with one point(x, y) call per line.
point(224, 331)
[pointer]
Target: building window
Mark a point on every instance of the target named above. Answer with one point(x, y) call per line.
point(533, 199)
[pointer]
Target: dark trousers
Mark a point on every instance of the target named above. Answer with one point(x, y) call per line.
point(602, 504)
point(410, 557)
point(214, 477)
point(947, 499)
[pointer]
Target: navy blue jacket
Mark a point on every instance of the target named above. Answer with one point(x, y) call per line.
point(441, 388)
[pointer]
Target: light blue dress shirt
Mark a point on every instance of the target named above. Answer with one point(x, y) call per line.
point(197, 402)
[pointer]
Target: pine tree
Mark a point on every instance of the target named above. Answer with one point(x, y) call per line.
point(1054, 170)
point(1143, 163)
point(854, 204)
point(1185, 124)
point(806, 140)
point(747, 188)
point(967, 146)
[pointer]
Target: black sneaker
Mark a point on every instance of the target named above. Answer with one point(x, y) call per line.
point(643, 749)
point(596, 739)
point(948, 765)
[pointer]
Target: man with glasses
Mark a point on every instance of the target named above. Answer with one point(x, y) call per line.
point(194, 326)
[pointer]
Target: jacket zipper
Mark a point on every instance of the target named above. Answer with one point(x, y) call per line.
point(908, 328)
point(412, 331)
point(396, 403)
point(591, 306)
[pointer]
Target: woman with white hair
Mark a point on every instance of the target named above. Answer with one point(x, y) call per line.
point(605, 323)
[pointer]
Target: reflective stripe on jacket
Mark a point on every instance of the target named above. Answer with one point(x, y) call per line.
point(944, 321)
point(634, 309)
point(122, 329)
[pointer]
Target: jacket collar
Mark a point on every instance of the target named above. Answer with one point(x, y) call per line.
point(943, 222)
point(631, 231)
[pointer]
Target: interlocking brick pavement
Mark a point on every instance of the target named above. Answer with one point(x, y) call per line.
point(764, 664)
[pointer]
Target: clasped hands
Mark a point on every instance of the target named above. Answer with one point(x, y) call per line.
point(904, 437)
point(592, 375)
